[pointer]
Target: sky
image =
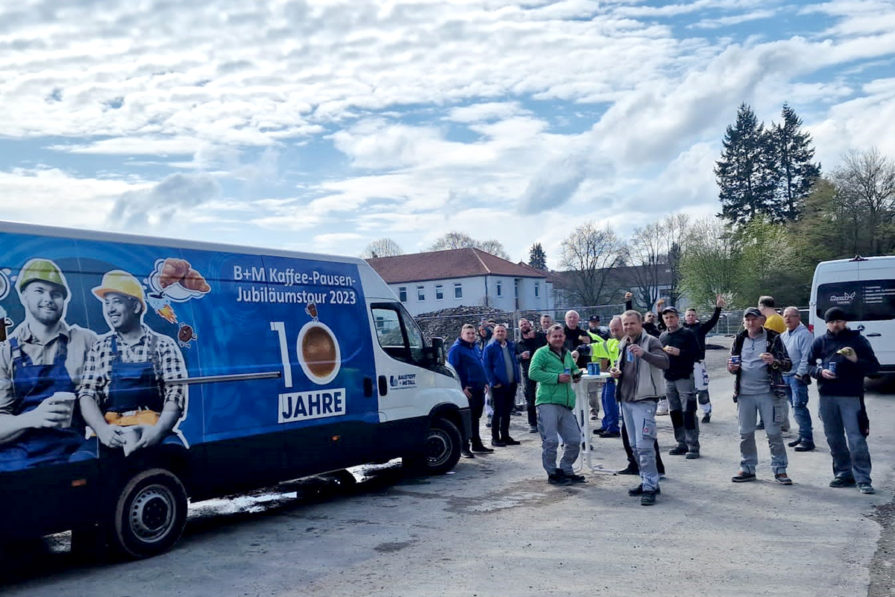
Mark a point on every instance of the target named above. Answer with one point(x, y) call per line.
point(324, 125)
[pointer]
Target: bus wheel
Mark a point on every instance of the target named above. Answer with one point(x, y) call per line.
point(441, 450)
point(150, 514)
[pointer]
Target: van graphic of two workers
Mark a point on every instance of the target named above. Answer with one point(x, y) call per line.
point(55, 377)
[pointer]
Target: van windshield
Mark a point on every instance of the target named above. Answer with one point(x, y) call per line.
point(866, 300)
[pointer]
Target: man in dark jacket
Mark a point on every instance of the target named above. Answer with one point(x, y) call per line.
point(525, 349)
point(758, 358)
point(576, 337)
point(466, 359)
point(700, 374)
point(839, 360)
point(682, 348)
point(502, 371)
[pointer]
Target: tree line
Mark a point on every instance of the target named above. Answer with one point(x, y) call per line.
point(780, 216)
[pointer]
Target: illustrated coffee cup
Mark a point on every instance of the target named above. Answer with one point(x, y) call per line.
point(66, 399)
point(319, 353)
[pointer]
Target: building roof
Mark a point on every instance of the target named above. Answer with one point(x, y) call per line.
point(452, 263)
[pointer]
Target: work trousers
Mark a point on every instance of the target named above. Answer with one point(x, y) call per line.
point(840, 417)
point(681, 394)
point(503, 398)
point(773, 413)
point(553, 420)
point(640, 421)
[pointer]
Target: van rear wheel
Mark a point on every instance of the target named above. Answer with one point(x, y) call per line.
point(441, 450)
point(150, 514)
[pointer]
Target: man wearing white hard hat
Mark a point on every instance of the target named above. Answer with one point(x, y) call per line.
point(40, 367)
point(131, 394)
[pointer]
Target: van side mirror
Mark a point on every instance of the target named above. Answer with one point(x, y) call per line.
point(438, 351)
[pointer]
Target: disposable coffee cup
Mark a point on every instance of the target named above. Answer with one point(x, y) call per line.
point(68, 400)
point(735, 359)
point(831, 367)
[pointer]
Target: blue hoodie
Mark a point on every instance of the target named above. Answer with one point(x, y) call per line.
point(466, 359)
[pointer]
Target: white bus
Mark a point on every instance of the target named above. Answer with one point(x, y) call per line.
point(864, 287)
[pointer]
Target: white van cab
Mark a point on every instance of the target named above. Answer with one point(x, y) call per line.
point(865, 288)
point(137, 373)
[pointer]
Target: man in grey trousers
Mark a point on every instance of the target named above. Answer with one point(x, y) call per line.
point(638, 373)
point(758, 358)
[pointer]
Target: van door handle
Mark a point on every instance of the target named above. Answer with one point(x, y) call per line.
point(368, 387)
point(383, 385)
point(874, 335)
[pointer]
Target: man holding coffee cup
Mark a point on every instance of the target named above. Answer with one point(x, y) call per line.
point(130, 395)
point(525, 349)
point(40, 367)
point(839, 360)
point(758, 358)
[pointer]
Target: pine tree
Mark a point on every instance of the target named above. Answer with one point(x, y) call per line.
point(792, 152)
point(745, 172)
point(537, 258)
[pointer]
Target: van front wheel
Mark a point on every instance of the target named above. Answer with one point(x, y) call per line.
point(441, 450)
point(150, 514)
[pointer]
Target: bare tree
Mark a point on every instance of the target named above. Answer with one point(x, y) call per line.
point(384, 247)
point(655, 250)
point(866, 191)
point(588, 255)
point(458, 240)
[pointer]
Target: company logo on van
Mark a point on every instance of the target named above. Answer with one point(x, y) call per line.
point(846, 298)
point(407, 380)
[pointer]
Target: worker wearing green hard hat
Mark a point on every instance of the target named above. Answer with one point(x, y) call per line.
point(41, 270)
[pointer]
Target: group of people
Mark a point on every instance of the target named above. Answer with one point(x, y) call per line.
point(651, 359)
point(56, 379)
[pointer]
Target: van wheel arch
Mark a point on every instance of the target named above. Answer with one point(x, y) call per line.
point(441, 448)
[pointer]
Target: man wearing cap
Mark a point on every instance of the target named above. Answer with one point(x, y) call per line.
point(44, 356)
point(682, 348)
point(594, 327)
point(758, 358)
point(605, 351)
point(839, 360)
point(130, 393)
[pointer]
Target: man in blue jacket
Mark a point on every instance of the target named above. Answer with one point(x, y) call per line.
point(503, 373)
point(466, 359)
point(839, 360)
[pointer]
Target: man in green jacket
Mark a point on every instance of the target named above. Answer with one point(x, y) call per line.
point(554, 370)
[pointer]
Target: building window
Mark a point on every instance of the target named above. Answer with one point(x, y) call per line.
point(537, 289)
point(420, 293)
point(516, 287)
point(402, 294)
point(458, 290)
point(439, 292)
point(499, 288)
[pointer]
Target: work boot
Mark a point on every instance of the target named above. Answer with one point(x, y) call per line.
point(707, 417)
point(480, 447)
point(629, 470)
point(678, 450)
point(648, 498)
point(510, 441)
point(805, 447)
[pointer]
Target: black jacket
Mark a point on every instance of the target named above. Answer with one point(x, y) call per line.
point(681, 366)
point(531, 345)
point(702, 329)
point(850, 375)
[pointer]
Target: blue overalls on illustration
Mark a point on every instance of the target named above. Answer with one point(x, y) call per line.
point(32, 384)
point(134, 386)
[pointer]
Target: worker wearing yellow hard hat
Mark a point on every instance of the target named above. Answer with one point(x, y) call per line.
point(120, 282)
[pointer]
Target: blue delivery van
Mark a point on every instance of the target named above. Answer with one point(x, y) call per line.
point(137, 374)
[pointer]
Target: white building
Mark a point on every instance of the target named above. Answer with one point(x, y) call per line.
point(437, 280)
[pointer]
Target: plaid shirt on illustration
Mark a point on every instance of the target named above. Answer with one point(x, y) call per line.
point(167, 361)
